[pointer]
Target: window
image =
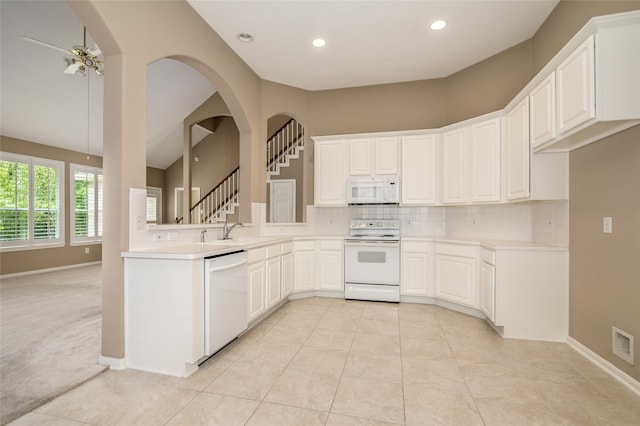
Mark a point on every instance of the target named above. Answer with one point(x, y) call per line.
point(154, 205)
point(31, 211)
point(86, 204)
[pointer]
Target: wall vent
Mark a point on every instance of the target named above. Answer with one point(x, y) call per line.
point(622, 344)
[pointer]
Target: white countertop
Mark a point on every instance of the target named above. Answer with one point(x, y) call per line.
point(192, 251)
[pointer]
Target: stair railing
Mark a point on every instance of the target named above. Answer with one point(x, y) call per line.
point(221, 200)
point(289, 137)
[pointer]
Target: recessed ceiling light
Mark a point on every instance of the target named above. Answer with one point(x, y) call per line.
point(245, 38)
point(319, 42)
point(438, 25)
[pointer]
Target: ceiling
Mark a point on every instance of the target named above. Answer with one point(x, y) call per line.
point(368, 42)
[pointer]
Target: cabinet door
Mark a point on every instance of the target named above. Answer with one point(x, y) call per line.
point(256, 290)
point(456, 279)
point(360, 157)
point(576, 87)
point(386, 156)
point(331, 265)
point(287, 274)
point(454, 167)
point(543, 111)
point(487, 290)
point(303, 279)
point(518, 151)
point(414, 269)
point(273, 282)
point(419, 169)
point(485, 161)
point(329, 173)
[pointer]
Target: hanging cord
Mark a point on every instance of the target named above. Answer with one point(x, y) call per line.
point(88, 114)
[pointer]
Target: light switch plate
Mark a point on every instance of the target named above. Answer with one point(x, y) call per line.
point(607, 225)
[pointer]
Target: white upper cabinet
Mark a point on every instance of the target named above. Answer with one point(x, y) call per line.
point(576, 87)
point(455, 166)
point(330, 173)
point(485, 161)
point(518, 151)
point(373, 156)
point(543, 111)
point(420, 161)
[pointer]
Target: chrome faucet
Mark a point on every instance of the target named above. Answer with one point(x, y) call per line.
point(226, 229)
point(202, 235)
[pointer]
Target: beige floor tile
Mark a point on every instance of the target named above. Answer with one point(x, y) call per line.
point(378, 326)
point(380, 312)
point(421, 331)
point(375, 343)
point(348, 308)
point(365, 365)
point(283, 333)
point(330, 339)
point(273, 354)
point(501, 412)
point(436, 372)
point(425, 348)
point(304, 389)
point(35, 419)
point(342, 420)
point(251, 380)
point(120, 398)
point(211, 409)
point(431, 405)
point(338, 322)
point(369, 399)
point(207, 372)
point(328, 361)
point(269, 414)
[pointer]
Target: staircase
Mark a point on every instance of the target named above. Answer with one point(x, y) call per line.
point(284, 146)
point(219, 202)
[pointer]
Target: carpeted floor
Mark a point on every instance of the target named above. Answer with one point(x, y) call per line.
point(50, 326)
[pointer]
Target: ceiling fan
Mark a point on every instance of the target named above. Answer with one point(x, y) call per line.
point(83, 59)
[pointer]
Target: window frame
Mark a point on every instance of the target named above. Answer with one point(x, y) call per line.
point(32, 243)
point(73, 239)
point(156, 193)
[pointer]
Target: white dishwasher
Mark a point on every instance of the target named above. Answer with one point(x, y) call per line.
point(226, 288)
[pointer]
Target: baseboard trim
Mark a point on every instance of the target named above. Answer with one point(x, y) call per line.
point(57, 268)
point(609, 368)
point(112, 363)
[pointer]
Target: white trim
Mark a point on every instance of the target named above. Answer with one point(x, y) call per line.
point(112, 363)
point(57, 268)
point(614, 371)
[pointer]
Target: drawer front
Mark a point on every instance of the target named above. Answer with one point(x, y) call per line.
point(304, 245)
point(331, 244)
point(256, 255)
point(286, 247)
point(273, 251)
point(488, 256)
point(457, 250)
point(415, 246)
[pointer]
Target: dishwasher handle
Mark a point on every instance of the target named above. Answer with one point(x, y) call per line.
point(225, 267)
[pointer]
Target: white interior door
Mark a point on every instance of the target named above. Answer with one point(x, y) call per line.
point(282, 195)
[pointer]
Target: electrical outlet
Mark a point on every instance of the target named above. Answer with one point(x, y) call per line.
point(139, 223)
point(87, 250)
point(607, 225)
point(158, 237)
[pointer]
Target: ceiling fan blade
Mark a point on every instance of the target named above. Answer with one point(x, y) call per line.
point(33, 40)
point(96, 50)
point(71, 69)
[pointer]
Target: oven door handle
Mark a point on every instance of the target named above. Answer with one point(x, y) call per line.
point(365, 243)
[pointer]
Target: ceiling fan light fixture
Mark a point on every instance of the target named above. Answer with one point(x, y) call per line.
point(438, 25)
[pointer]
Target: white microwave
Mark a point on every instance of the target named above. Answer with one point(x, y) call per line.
point(373, 189)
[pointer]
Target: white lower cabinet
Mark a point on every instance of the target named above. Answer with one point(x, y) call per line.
point(273, 271)
point(303, 265)
point(257, 281)
point(456, 274)
point(330, 270)
point(488, 284)
point(414, 268)
point(286, 263)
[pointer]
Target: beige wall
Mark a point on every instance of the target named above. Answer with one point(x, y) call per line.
point(605, 268)
point(12, 262)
